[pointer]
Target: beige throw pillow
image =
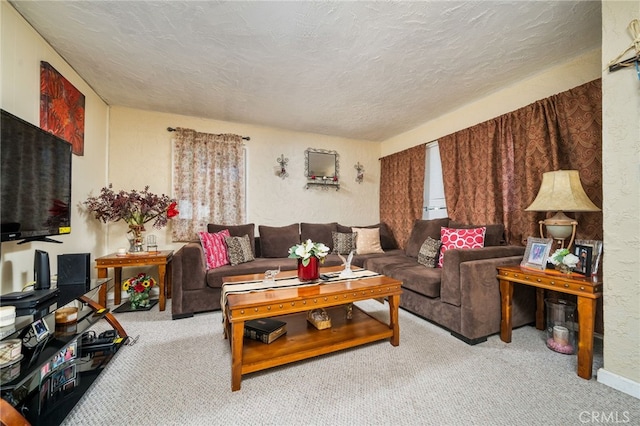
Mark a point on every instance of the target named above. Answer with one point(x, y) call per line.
point(367, 240)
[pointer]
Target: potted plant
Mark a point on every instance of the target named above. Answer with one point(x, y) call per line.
point(309, 255)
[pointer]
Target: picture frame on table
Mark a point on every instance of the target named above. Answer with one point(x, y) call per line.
point(536, 253)
point(596, 253)
point(40, 329)
point(585, 254)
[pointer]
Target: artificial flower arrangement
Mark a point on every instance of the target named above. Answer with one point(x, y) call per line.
point(564, 260)
point(135, 208)
point(307, 250)
point(138, 288)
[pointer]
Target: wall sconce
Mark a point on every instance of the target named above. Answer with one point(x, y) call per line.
point(359, 172)
point(561, 191)
point(282, 162)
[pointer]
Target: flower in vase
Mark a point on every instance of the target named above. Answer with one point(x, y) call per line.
point(564, 259)
point(307, 250)
point(135, 207)
point(138, 288)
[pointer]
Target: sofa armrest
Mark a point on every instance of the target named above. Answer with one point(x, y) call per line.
point(480, 296)
point(187, 272)
point(450, 286)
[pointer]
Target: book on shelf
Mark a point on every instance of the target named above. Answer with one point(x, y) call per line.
point(265, 330)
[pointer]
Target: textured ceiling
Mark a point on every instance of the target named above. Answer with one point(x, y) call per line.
point(363, 70)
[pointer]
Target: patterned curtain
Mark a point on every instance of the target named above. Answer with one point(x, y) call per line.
point(402, 190)
point(492, 171)
point(208, 181)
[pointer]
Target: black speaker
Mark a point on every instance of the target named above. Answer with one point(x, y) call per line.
point(41, 274)
point(74, 268)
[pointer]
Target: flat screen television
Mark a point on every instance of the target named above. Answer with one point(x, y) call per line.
point(35, 180)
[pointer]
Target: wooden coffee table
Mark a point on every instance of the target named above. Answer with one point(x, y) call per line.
point(303, 340)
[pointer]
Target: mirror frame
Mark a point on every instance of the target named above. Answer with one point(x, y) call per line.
point(321, 151)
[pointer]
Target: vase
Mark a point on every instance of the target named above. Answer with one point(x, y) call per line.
point(139, 300)
point(136, 239)
point(564, 268)
point(309, 272)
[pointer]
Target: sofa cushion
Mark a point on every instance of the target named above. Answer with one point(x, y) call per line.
point(414, 276)
point(420, 231)
point(237, 231)
point(460, 239)
point(387, 241)
point(214, 248)
point(239, 249)
point(318, 233)
point(367, 240)
point(343, 242)
point(428, 254)
point(425, 281)
point(275, 241)
point(494, 236)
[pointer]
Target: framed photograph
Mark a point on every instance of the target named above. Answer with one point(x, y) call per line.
point(537, 252)
point(584, 253)
point(596, 253)
point(40, 329)
point(46, 369)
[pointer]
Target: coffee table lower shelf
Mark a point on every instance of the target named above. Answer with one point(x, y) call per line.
point(304, 341)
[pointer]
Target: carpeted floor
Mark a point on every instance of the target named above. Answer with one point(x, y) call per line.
point(178, 373)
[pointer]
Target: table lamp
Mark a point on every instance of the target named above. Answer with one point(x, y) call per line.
point(561, 191)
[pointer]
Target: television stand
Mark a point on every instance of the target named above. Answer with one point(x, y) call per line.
point(54, 373)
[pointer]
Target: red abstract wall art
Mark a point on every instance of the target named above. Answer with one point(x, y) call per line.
point(61, 107)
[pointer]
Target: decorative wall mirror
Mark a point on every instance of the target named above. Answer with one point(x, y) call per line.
point(321, 167)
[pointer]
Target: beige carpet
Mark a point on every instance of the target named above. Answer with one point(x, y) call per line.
point(178, 373)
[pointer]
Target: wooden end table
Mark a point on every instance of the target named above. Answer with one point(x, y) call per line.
point(588, 290)
point(161, 259)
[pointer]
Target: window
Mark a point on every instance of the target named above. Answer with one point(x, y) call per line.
point(435, 205)
point(208, 181)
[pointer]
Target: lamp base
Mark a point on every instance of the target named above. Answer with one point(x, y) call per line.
point(559, 227)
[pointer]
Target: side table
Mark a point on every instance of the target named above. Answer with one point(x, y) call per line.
point(588, 290)
point(161, 259)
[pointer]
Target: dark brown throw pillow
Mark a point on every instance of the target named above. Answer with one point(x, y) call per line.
point(421, 230)
point(318, 233)
point(275, 241)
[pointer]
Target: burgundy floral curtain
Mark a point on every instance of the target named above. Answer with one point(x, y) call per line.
point(208, 181)
point(492, 171)
point(401, 190)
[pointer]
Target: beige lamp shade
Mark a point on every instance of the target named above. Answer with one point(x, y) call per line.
point(562, 191)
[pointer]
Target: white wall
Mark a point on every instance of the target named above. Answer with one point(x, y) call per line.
point(140, 154)
point(21, 50)
point(557, 79)
point(621, 203)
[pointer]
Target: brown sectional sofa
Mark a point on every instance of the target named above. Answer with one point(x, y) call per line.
point(462, 296)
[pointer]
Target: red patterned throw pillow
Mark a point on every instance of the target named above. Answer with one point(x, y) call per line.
point(215, 250)
point(460, 239)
